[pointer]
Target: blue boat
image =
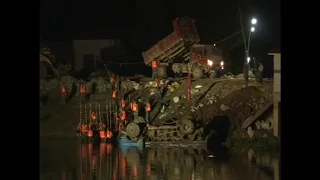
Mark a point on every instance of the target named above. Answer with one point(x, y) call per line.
point(124, 141)
point(127, 149)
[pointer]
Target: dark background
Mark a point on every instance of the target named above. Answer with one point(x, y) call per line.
point(142, 23)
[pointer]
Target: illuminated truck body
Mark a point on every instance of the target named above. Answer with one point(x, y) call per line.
point(180, 48)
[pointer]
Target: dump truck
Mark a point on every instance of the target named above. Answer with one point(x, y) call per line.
point(180, 52)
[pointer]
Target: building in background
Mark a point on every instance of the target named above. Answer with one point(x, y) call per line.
point(90, 53)
point(276, 90)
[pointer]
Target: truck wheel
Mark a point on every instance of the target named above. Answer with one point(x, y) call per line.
point(186, 127)
point(133, 130)
point(162, 72)
point(213, 74)
point(197, 72)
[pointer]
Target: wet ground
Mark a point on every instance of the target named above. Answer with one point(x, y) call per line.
point(69, 160)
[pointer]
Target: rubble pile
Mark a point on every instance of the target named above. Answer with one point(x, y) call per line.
point(210, 99)
point(241, 75)
point(97, 84)
point(238, 105)
point(220, 91)
point(128, 85)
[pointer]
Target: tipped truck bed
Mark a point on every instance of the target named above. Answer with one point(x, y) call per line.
point(177, 43)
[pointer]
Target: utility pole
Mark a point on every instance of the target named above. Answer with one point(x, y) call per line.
point(245, 64)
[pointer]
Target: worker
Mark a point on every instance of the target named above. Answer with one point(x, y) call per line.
point(260, 70)
point(154, 65)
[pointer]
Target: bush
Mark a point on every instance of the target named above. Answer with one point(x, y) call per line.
point(257, 144)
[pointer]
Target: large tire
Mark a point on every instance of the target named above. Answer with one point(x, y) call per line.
point(186, 127)
point(162, 72)
point(133, 130)
point(197, 72)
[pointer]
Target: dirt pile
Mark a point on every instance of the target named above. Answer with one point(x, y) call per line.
point(220, 91)
point(237, 102)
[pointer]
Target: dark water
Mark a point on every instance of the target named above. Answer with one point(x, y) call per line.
point(69, 160)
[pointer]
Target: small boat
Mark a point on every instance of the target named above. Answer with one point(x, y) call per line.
point(125, 141)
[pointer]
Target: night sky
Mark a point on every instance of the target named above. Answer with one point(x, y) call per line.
point(142, 23)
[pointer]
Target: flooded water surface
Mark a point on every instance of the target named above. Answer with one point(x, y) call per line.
point(70, 160)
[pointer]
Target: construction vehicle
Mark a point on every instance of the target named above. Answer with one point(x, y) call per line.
point(143, 116)
point(161, 128)
point(46, 63)
point(180, 52)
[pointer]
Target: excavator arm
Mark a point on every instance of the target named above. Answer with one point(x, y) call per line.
point(48, 63)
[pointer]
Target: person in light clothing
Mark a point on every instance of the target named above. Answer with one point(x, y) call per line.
point(260, 70)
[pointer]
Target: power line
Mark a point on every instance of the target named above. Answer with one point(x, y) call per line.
point(109, 62)
point(143, 62)
point(229, 37)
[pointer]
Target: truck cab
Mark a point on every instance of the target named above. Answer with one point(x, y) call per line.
point(208, 58)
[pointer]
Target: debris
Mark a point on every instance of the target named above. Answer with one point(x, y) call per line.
point(194, 91)
point(265, 125)
point(171, 88)
point(176, 99)
point(130, 85)
point(224, 107)
point(175, 85)
point(258, 125)
point(240, 76)
point(250, 132)
point(229, 75)
point(163, 109)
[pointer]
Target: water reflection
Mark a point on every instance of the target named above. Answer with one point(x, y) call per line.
point(107, 162)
